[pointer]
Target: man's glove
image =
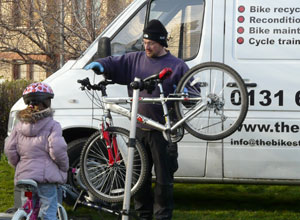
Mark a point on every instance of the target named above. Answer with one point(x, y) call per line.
point(96, 67)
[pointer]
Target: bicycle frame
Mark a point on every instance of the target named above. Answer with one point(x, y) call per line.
point(113, 104)
point(32, 212)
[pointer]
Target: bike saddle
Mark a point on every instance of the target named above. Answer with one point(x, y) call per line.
point(27, 184)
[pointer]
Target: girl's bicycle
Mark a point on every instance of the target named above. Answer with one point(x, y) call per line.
point(28, 211)
point(210, 102)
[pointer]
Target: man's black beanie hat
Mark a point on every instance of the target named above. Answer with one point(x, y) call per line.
point(156, 31)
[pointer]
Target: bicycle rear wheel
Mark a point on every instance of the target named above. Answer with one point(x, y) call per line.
point(106, 180)
point(61, 212)
point(217, 95)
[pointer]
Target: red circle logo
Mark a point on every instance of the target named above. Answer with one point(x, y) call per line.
point(240, 40)
point(241, 9)
point(241, 19)
point(240, 30)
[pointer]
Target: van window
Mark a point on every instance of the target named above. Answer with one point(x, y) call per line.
point(129, 39)
point(183, 20)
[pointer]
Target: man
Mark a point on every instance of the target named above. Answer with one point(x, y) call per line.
point(122, 70)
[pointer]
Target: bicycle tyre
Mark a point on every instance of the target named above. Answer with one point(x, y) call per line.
point(107, 182)
point(19, 215)
point(61, 212)
point(74, 149)
point(220, 117)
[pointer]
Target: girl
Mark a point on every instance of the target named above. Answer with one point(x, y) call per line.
point(37, 149)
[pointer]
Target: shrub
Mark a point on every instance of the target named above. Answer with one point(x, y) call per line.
point(10, 92)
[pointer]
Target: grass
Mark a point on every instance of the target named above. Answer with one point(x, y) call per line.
point(200, 201)
point(6, 184)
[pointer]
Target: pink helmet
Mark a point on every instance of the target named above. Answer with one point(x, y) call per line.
point(37, 93)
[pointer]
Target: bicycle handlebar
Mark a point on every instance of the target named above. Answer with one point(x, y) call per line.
point(101, 86)
point(148, 83)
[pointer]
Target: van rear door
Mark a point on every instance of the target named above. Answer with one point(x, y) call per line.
point(262, 42)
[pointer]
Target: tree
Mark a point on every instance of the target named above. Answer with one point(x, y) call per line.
point(48, 32)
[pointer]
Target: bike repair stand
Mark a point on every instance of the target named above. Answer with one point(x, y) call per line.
point(135, 85)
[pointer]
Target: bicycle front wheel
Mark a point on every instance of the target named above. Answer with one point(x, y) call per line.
point(104, 177)
point(215, 103)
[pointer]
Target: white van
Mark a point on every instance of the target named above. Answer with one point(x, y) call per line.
point(260, 39)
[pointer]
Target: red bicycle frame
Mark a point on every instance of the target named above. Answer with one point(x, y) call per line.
point(111, 145)
point(28, 206)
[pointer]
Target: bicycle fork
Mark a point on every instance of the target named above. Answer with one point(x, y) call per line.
point(111, 145)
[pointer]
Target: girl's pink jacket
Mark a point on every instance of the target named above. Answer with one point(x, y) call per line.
point(38, 150)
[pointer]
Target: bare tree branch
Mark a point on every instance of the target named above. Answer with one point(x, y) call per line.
point(42, 32)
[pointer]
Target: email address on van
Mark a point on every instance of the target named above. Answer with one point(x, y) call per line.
point(261, 142)
point(278, 127)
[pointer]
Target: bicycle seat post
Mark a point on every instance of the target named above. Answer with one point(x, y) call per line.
point(135, 85)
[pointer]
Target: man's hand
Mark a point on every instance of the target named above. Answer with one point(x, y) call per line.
point(96, 66)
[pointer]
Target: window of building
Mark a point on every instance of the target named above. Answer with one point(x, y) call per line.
point(16, 72)
point(16, 13)
point(23, 71)
point(1, 9)
point(29, 73)
point(22, 13)
point(39, 73)
point(29, 10)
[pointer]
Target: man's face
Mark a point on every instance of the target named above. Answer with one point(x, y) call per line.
point(152, 48)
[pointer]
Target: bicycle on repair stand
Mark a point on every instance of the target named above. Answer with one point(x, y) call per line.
point(210, 102)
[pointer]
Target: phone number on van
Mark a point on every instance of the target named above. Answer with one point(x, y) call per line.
point(266, 97)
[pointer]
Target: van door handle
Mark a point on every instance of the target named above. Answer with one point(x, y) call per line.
point(234, 85)
point(251, 85)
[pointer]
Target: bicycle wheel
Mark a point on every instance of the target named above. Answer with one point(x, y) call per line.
point(19, 215)
point(104, 179)
point(74, 149)
point(216, 101)
point(61, 212)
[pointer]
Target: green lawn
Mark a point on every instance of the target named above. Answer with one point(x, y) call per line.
point(201, 201)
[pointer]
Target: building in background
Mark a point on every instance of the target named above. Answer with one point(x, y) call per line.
point(38, 36)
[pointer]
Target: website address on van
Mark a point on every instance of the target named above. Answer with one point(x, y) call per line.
point(260, 142)
point(278, 127)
